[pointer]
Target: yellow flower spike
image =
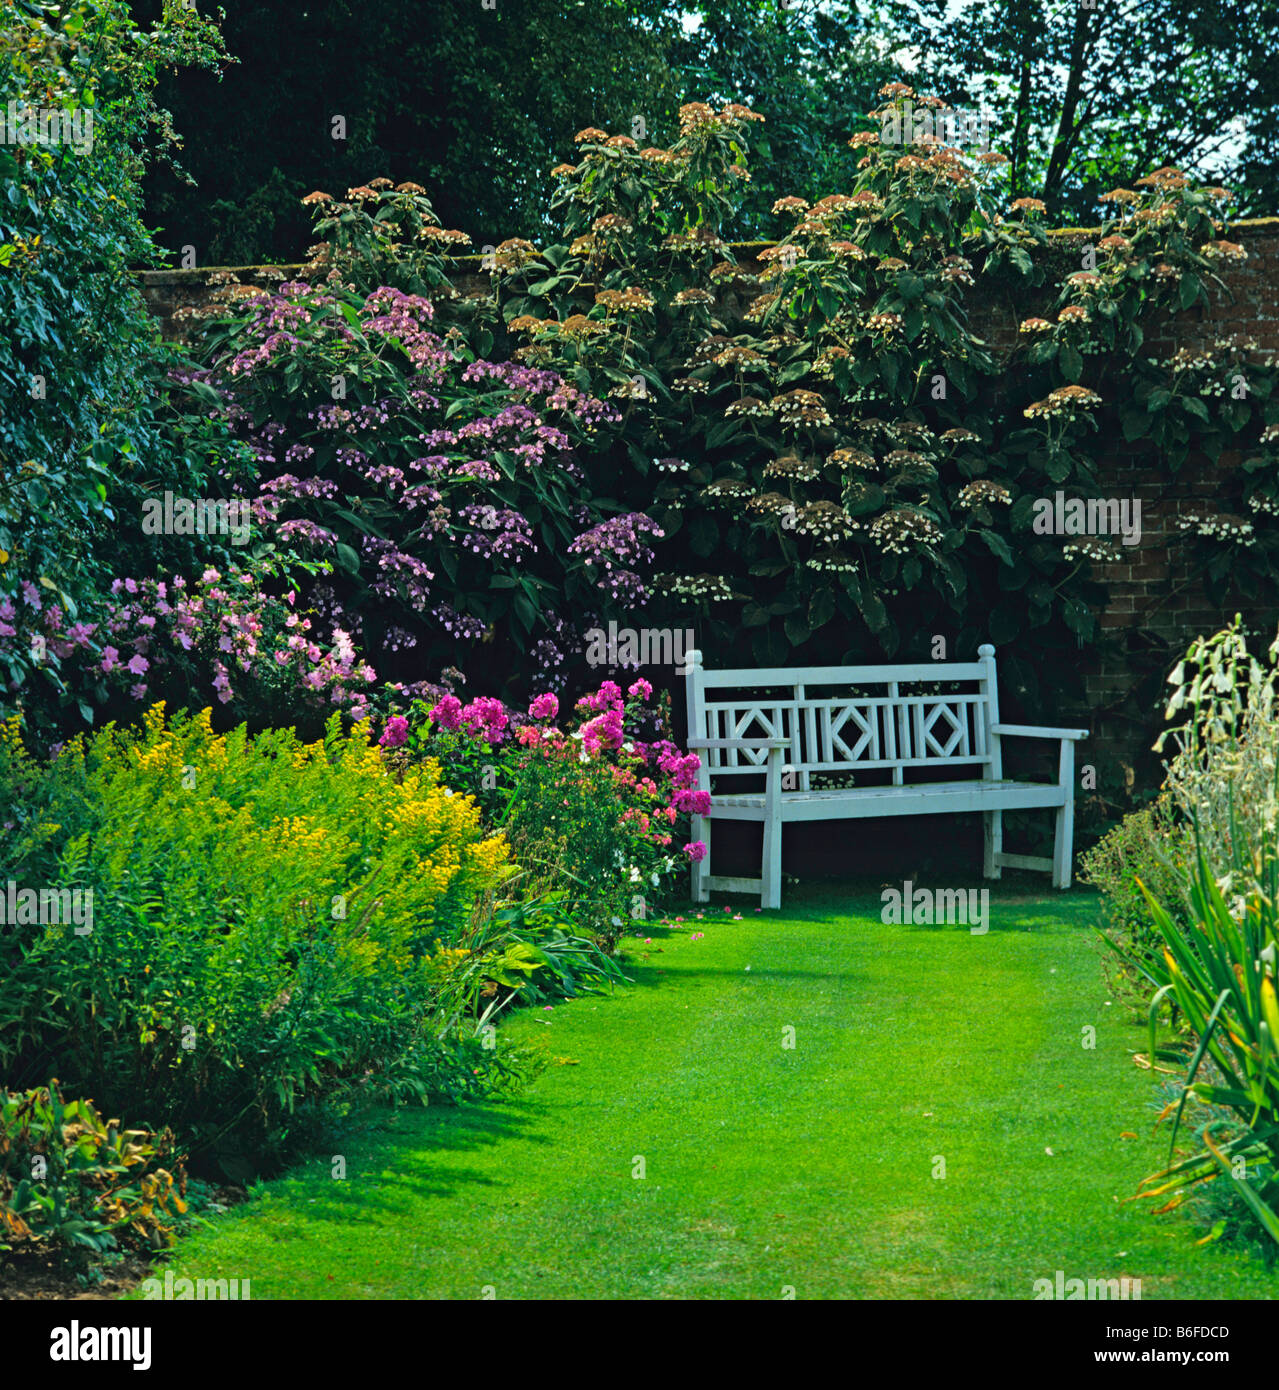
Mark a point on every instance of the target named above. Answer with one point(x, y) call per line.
point(1270, 1006)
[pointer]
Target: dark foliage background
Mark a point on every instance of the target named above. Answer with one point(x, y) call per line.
point(476, 103)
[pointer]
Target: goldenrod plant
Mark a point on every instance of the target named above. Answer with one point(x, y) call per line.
point(263, 916)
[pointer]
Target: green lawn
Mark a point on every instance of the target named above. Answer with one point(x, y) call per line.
point(769, 1168)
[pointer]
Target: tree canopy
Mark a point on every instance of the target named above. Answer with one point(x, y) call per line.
point(475, 101)
point(1088, 94)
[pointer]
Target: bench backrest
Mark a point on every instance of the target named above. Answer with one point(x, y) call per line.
point(839, 719)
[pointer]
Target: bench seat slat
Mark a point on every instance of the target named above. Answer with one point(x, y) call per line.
point(933, 798)
point(1036, 731)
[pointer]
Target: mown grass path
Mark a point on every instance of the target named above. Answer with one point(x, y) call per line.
point(769, 1167)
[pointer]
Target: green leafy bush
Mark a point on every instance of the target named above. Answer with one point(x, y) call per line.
point(1146, 852)
point(1218, 956)
point(90, 424)
point(72, 1181)
point(517, 952)
point(261, 920)
point(443, 493)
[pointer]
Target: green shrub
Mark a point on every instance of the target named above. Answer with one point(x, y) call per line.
point(1217, 962)
point(522, 951)
point(838, 461)
point(443, 494)
point(1145, 850)
point(73, 1181)
point(90, 424)
point(256, 949)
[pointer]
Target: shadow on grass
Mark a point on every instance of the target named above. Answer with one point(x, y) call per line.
point(405, 1158)
point(686, 974)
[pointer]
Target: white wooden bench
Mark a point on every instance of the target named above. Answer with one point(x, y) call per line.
point(788, 728)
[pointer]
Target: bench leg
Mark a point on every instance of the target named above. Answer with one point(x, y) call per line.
point(771, 872)
point(993, 838)
point(701, 872)
point(1063, 844)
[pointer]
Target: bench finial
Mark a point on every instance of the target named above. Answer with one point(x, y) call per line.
point(692, 660)
point(985, 650)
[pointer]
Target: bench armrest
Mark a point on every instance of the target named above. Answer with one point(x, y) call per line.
point(738, 743)
point(771, 767)
point(1035, 731)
